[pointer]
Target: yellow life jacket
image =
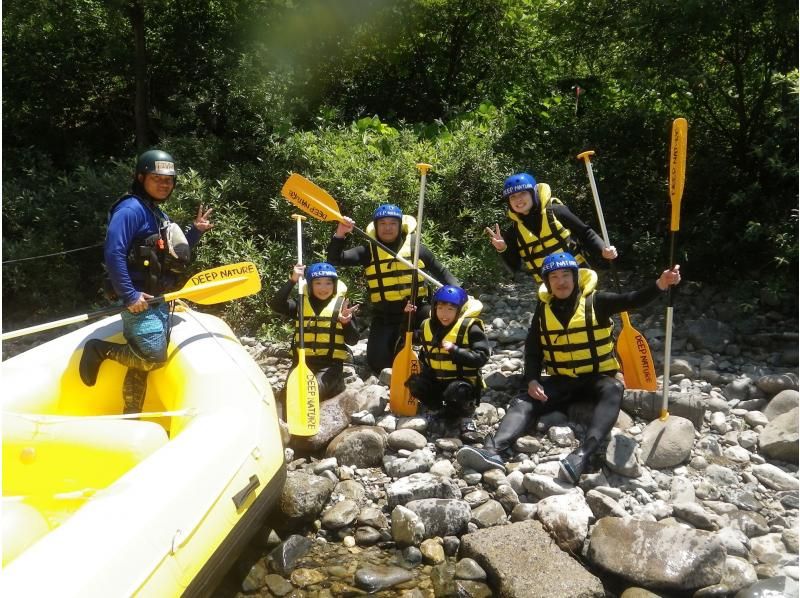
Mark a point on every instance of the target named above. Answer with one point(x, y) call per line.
point(584, 346)
point(317, 327)
point(388, 279)
point(440, 361)
point(552, 238)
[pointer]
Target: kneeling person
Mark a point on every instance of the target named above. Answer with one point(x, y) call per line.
point(328, 324)
point(454, 348)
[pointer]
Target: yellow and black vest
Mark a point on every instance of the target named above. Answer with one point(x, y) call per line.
point(389, 279)
point(440, 361)
point(323, 335)
point(552, 238)
point(584, 346)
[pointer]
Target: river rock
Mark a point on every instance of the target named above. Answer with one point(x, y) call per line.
point(535, 568)
point(374, 578)
point(779, 438)
point(304, 495)
point(656, 556)
point(442, 517)
point(781, 403)
point(669, 443)
point(362, 446)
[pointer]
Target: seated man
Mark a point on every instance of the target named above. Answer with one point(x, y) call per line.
point(571, 336)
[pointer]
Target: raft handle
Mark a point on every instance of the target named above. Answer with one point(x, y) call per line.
point(240, 497)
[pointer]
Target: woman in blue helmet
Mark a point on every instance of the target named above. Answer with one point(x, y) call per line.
point(454, 347)
point(571, 337)
point(389, 281)
point(328, 323)
point(145, 255)
point(541, 225)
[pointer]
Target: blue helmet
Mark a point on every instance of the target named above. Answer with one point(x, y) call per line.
point(518, 182)
point(450, 294)
point(558, 261)
point(321, 270)
point(387, 210)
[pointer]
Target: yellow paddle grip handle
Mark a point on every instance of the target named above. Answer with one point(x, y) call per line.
point(585, 156)
point(299, 217)
point(423, 167)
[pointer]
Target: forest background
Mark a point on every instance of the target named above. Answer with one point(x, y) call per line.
point(353, 93)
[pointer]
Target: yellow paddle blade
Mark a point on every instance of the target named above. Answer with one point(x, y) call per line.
point(310, 198)
point(302, 399)
point(405, 364)
point(223, 283)
point(634, 353)
point(677, 169)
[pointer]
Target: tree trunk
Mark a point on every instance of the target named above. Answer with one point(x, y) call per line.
point(140, 107)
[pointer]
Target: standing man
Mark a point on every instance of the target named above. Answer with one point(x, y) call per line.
point(389, 281)
point(571, 337)
point(144, 255)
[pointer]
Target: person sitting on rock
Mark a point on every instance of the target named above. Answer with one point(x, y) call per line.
point(541, 225)
point(454, 347)
point(389, 280)
point(328, 323)
point(571, 336)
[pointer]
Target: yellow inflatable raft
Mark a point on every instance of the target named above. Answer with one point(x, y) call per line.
point(100, 504)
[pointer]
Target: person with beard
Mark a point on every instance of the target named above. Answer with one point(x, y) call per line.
point(454, 347)
point(145, 255)
point(541, 225)
point(571, 337)
point(328, 323)
point(389, 281)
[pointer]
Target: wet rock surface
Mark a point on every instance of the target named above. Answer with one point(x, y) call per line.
point(702, 504)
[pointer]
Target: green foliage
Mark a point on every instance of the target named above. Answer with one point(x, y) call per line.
point(354, 93)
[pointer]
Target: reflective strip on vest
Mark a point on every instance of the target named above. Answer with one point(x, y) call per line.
point(553, 237)
point(584, 347)
point(440, 361)
point(317, 330)
point(388, 279)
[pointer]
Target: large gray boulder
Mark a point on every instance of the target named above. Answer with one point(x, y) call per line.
point(657, 556)
point(522, 561)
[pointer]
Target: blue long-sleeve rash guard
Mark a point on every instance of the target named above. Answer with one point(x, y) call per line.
point(131, 223)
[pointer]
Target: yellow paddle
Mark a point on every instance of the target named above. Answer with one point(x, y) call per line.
point(406, 362)
point(302, 391)
point(216, 285)
point(318, 203)
point(677, 176)
point(632, 348)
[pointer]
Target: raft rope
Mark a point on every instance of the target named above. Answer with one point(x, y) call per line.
point(36, 257)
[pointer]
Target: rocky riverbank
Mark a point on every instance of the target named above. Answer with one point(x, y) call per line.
point(703, 504)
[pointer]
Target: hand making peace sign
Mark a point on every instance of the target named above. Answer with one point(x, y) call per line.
point(346, 313)
point(496, 237)
point(201, 221)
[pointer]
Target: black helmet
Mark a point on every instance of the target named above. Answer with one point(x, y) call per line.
point(155, 162)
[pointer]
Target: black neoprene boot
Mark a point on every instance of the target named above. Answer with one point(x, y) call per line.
point(573, 465)
point(95, 352)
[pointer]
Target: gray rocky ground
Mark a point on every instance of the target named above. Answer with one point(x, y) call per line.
point(702, 504)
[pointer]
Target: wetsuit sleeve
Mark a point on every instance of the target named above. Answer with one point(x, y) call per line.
point(193, 235)
point(339, 256)
point(351, 332)
point(477, 354)
point(580, 230)
point(125, 222)
point(281, 303)
point(510, 256)
point(607, 304)
point(533, 350)
point(436, 269)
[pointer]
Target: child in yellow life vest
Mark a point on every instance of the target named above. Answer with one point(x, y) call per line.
point(454, 348)
point(541, 225)
point(328, 323)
